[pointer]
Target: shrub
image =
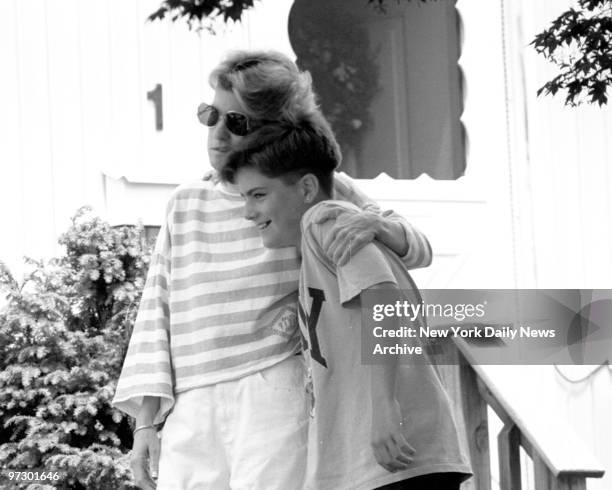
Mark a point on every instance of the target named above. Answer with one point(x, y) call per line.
point(63, 336)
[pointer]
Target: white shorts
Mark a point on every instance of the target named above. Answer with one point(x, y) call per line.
point(250, 433)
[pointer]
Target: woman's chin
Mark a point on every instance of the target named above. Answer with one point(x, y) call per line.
point(217, 159)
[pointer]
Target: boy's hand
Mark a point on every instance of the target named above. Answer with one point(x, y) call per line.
point(390, 447)
point(144, 459)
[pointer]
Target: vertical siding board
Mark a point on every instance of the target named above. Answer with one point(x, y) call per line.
point(607, 124)
point(95, 82)
point(65, 114)
point(567, 194)
point(544, 166)
point(125, 101)
point(11, 182)
point(591, 141)
point(566, 241)
point(542, 169)
point(35, 129)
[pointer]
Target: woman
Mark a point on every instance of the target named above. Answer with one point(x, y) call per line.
point(213, 351)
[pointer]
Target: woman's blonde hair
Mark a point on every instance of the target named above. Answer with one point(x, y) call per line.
point(268, 84)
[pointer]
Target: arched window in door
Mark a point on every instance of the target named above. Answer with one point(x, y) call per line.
point(388, 81)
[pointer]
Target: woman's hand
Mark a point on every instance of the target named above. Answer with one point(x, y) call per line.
point(351, 232)
point(144, 459)
point(390, 447)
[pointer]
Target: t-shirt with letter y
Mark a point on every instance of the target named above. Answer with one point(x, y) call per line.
point(339, 451)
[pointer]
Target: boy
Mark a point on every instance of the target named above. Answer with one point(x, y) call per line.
point(385, 426)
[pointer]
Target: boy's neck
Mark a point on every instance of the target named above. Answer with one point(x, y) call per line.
point(319, 198)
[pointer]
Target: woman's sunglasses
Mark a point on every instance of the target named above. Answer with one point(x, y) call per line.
point(235, 122)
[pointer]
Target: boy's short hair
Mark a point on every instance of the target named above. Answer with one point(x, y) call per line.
point(289, 151)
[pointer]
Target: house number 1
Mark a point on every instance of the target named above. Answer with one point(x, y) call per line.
point(155, 95)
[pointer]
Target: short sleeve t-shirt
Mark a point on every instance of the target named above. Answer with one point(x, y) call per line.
point(339, 453)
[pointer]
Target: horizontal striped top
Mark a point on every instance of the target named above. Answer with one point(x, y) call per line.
point(217, 305)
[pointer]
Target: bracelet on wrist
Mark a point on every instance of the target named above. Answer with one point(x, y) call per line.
point(142, 427)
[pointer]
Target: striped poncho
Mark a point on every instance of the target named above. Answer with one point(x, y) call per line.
point(217, 305)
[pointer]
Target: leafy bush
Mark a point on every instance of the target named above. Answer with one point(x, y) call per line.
point(63, 336)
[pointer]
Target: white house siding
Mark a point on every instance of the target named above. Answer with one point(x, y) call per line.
point(533, 209)
point(562, 158)
point(76, 126)
point(562, 218)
